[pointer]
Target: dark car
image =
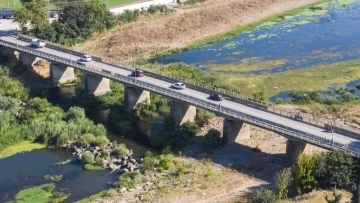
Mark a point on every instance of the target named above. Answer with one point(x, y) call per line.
point(216, 97)
point(137, 73)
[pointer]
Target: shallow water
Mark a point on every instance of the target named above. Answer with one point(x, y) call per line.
point(321, 37)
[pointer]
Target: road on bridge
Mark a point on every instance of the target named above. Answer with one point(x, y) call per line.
point(252, 111)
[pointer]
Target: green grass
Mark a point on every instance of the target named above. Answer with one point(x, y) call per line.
point(90, 167)
point(92, 197)
point(9, 3)
point(318, 77)
point(53, 177)
point(40, 194)
point(249, 64)
point(19, 147)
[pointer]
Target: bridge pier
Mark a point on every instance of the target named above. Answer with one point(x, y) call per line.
point(60, 73)
point(97, 85)
point(234, 130)
point(7, 52)
point(28, 59)
point(295, 148)
point(133, 96)
point(182, 112)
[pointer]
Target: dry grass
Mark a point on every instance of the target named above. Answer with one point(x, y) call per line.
point(148, 37)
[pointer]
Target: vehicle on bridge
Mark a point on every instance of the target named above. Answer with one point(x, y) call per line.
point(178, 85)
point(37, 43)
point(137, 73)
point(216, 97)
point(298, 116)
point(85, 58)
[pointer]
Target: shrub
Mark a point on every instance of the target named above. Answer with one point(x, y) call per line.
point(212, 139)
point(87, 157)
point(304, 173)
point(100, 141)
point(121, 151)
point(110, 193)
point(149, 163)
point(260, 96)
point(190, 129)
point(131, 180)
point(263, 196)
point(165, 162)
point(203, 117)
point(282, 180)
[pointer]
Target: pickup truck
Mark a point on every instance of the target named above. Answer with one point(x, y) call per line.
point(37, 43)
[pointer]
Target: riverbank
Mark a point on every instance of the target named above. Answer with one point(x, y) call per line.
point(23, 146)
point(149, 37)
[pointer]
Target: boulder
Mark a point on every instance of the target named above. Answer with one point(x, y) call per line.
point(112, 166)
point(122, 190)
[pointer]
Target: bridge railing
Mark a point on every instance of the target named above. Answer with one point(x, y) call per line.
point(266, 124)
point(317, 121)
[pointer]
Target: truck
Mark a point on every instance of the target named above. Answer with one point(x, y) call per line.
point(37, 43)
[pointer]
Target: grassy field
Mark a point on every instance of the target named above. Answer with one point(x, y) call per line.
point(20, 147)
point(111, 3)
point(312, 78)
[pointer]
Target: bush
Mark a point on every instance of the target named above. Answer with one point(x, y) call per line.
point(129, 16)
point(304, 173)
point(203, 117)
point(260, 96)
point(263, 196)
point(121, 151)
point(131, 180)
point(149, 163)
point(110, 193)
point(190, 129)
point(212, 139)
point(165, 162)
point(100, 141)
point(87, 157)
point(282, 180)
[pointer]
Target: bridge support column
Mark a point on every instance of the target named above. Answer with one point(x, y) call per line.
point(97, 85)
point(134, 96)
point(234, 130)
point(295, 148)
point(28, 59)
point(182, 112)
point(60, 73)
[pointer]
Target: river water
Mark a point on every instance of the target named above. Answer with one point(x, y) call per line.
point(310, 38)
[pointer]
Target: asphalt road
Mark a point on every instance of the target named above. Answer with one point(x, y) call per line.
point(319, 132)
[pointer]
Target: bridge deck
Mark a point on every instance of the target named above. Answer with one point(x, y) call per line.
point(252, 115)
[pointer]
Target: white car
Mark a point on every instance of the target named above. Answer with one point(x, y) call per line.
point(85, 58)
point(178, 85)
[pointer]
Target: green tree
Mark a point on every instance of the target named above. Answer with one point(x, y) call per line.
point(33, 12)
point(203, 117)
point(191, 129)
point(335, 168)
point(304, 173)
point(282, 180)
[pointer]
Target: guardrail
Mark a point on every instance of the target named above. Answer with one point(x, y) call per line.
point(266, 106)
point(269, 125)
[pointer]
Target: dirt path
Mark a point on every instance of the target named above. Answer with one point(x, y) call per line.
point(150, 36)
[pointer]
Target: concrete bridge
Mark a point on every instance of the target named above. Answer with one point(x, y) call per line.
point(238, 113)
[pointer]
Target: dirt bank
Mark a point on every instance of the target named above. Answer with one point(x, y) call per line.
point(183, 27)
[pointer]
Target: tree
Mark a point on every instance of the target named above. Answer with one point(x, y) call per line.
point(202, 117)
point(304, 173)
point(282, 180)
point(335, 168)
point(191, 129)
point(33, 12)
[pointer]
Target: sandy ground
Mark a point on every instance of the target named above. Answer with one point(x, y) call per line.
point(237, 169)
point(152, 35)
